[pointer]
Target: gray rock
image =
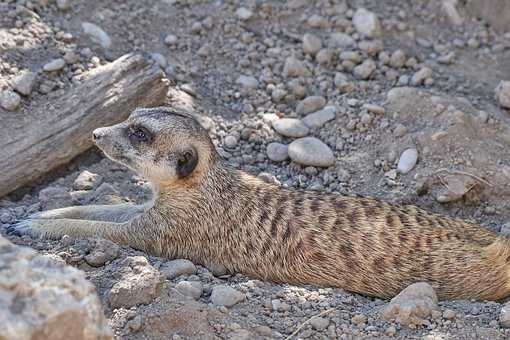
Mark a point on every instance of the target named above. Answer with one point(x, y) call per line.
point(324, 56)
point(230, 142)
point(311, 151)
point(365, 70)
point(311, 44)
point(53, 197)
point(277, 152)
point(175, 268)
point(226, 296)
point(504, 315)
point(192, 289)
point(407, 160)
point(140, 284)
point(54, 65)
point(366, 23)
point(294, 68)
point(244, 13)
point(160, 59)
point(171, 39)
point(97, 34)
point(310, 104)
point(340, 40)
point(24, 83)
point(420, 76)
point(64, 4)
point(248, 82)
point(503, 94)
point(103, 251)
point(9, 100)
point(321, 117)
point(505, 229)
point(413, 305)
point(290, 127)
point(319, 323)
point(44, 299)
point(398, 59)
point(71, 57)
point(87, 180)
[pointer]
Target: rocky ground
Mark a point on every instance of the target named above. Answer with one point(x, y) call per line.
point(382, 98)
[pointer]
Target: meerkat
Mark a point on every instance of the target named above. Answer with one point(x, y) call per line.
point(207, 212)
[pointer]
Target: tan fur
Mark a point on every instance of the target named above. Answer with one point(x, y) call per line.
point(221, 216)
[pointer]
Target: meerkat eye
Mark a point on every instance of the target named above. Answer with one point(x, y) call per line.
point(140, 134)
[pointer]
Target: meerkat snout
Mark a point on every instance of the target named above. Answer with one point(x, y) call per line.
point(163, 145)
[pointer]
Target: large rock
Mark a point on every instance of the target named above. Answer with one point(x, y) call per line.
point(310, 151)
point(140, 284)
point(43, 299)
point(412, 306)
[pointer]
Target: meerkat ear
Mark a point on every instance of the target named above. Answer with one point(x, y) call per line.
point(187, 161)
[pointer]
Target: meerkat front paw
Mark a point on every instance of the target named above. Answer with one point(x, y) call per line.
point(35, 228)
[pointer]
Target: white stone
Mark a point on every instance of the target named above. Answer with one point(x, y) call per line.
point(503, 94)
point(339, 39)
point(277, 152)
point(230, 142)
point(290, 127)
point(54, 65)
point(321, 117)
point(244, 13)
point(407, 160)
point(366, 23)
point(160, 59)
point(171, 39)
point(248, 82)
point(24, 83)
point(226, 296)
point(9, 100)
point(87, 180)
point(311, 151)
point(97, 34)
point(365, 70)
point(311, 44)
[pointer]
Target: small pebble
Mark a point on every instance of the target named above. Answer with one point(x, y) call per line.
point(407, 161)
point(54, 65)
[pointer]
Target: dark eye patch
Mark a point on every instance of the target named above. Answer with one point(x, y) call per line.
point(139, 134)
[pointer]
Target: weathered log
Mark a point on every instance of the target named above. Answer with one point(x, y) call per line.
point(36, 141)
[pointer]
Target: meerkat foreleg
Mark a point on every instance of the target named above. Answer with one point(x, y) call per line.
point(110, 213)
point(56, 228)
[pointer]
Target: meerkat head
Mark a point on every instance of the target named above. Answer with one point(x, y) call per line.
point(162, 144)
